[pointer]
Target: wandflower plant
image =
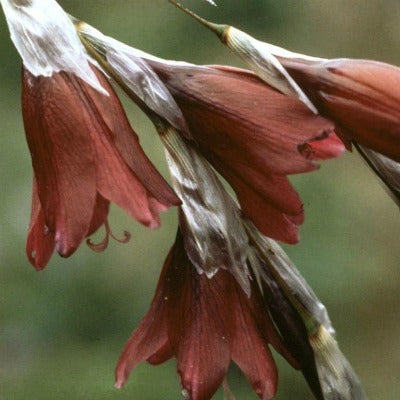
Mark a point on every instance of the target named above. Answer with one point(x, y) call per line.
point(227, 291)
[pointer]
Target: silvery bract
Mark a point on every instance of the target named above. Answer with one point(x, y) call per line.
point(46, 39)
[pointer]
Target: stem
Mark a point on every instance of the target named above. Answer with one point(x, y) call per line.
point(218, 29)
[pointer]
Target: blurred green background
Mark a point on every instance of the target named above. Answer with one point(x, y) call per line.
point(61, 330)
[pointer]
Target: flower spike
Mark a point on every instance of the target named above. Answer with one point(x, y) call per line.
point(257, 56)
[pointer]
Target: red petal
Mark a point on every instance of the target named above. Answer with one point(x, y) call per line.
point(250, 351)
point(361, 96)
point(242, 120)
point(375, 129)
point(117, 183)
point(323, 149)
point(122, 136)
point(268, 200)
point(57, 125)
point(200, 327)
point(100, 213)
point(150, 340)
point(40, 243)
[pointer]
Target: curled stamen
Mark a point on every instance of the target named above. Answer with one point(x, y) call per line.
point(101, 246)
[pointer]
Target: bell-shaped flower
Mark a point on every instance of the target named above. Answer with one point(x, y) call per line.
point(226, 292)
point(204, 323)
point(360, 96)
point(254, 136)
point(84, 155)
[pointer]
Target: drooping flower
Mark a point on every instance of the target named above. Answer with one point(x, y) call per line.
point(84, 155)
point(252, 134)
point(84, 152)
point(219, 254)
point(226, 292)
point(205, 323)
point(360, 96)
point(255, 137)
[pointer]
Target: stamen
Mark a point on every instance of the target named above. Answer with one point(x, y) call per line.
point(101, 246)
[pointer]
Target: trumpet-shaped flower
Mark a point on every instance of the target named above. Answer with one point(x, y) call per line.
point(204, 323)
point(84, 155)
point(254, 136)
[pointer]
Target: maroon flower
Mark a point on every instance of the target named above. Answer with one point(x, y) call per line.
point(205, 323)
point(84, 155)
point(254, 136)
point(362, 97)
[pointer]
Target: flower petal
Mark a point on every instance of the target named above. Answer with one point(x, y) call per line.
point(100, 213)
point(150, 340)
point(200, 327)
point(268, 200)
point(110, 113)
point(40, 242)
point(235, 115)
point(361, 97)
point(57, 128)
point(250, 350)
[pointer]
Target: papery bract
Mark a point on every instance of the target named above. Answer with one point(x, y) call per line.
point(46, 40)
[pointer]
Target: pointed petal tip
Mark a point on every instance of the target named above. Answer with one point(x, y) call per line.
point(119, 384)
point(121, 374)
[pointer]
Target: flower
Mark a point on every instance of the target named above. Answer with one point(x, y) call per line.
point(204, 323)
point(226, 292)
point(254, 136)
point(360, 96)
point(84, 155)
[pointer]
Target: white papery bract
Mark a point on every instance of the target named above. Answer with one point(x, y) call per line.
point(210, 220)
point(47, 40)
point(127, 66)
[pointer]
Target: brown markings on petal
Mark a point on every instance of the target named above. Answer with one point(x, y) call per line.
point(40, 242)
point(324, 148)
point(56, 126)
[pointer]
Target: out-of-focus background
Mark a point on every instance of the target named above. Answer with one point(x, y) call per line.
point(61, 330)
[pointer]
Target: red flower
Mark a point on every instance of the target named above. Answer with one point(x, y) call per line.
point(205, 323)
point(84, 155)
point(362, 98)
point(254, 136)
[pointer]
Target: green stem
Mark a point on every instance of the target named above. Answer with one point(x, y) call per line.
point(218, 29)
